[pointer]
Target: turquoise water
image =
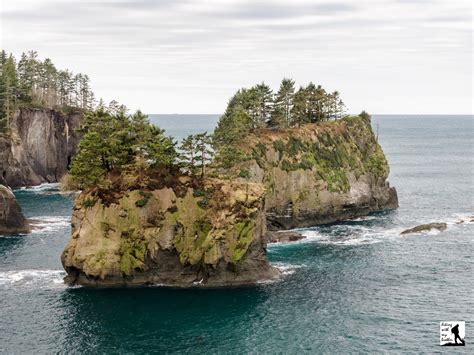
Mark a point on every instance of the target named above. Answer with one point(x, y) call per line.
point(350, 287)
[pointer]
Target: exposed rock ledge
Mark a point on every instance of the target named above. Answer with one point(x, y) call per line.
point(12, 220)
point(40, 148)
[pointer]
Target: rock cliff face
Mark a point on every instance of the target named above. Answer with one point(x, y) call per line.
point(40, 147)
point(213, 236)
point(12, 220)
point(319, 173)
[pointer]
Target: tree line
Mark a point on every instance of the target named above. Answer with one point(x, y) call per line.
point(118, 147)
point(33, 82)
point(259, 107)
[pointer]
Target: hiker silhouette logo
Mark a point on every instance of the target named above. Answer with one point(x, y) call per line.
point(451, 333)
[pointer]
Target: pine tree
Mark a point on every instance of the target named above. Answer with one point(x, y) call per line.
point(188, 154)
point(300, 111)
point(9, 91)
point(88, 168)
point(281, 115)
point(264, 103)
point(204, 153)
point(115, 142)
point(236, 120)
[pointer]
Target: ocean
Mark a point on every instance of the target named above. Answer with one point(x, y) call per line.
point(355, 286)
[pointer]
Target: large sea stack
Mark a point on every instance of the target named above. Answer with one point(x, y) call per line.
point(319, 173)
point(184, 236)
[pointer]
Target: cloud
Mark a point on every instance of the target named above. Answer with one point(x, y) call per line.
point(209, 44)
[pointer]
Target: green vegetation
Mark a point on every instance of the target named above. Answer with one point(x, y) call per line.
point(244, 173)
point(36, 83)
point(196, 153)
point(377, 164)
point(132, 255)
point(258, 107)
point(115, 143)
point(244, 231)
point(279, 146)
point(145, 198)
point(334, 152)
point(206, 195)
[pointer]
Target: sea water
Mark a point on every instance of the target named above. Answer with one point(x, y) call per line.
point(356, 286)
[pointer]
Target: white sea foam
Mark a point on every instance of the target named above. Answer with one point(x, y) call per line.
point(50, 223)
point(42, 187)
point(286, 269)
point(32, 277)
point(460, 218)
point(360, 234)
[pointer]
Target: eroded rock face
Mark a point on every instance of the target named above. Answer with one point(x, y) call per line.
point(426, 228)
point(208, 237)
point(12, 220)
point(320, 173)
point(40, 148)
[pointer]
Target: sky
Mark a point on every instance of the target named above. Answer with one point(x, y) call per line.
point(190, 56)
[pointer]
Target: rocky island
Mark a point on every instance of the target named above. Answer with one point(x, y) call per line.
point(196, 215)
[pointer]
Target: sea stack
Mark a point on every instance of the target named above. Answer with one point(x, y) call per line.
point(182, 236)
point(12, 220)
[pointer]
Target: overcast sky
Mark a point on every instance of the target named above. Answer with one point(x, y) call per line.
point(190, 56)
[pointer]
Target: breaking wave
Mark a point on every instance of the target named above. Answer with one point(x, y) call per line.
point(372, 229)
point(43, 224)
point(48, 187)
point(32, 278)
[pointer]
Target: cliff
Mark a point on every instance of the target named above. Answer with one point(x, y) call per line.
point(319, 173)
point(40, 147)
point(183, 236)
point(12, 220)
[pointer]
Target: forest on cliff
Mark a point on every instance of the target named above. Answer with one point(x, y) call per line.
point(122, 151)
point(32, 82)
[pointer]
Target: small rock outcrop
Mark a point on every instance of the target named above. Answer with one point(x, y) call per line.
point(212, 236)
point(12, 220)
point(284, 237)
point(39, 148)
point(426, 228)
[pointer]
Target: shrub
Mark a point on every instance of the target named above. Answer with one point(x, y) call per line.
point(145, 197)
point(279, 146)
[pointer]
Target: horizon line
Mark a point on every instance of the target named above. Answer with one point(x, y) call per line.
point(355, 114)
